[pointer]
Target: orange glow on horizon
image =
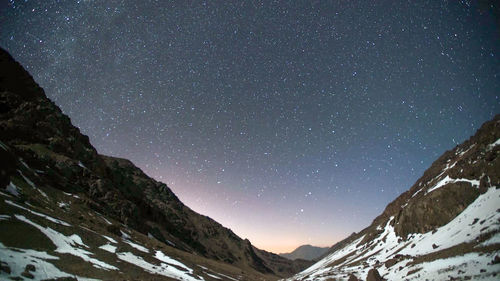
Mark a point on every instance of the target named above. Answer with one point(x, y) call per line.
point(284, 248)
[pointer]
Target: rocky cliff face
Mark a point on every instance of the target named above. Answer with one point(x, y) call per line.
point(44, 158)
point(446, 226)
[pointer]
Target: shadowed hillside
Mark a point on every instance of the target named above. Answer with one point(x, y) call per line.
point(50, 170)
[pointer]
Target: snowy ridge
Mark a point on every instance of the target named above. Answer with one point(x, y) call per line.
point(435, 241)
point(448, 180)
point(396, 258)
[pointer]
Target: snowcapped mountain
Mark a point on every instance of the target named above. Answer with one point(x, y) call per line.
point(68, 212)
point(445, 227)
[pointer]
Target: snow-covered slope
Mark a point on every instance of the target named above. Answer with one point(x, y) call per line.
point(446, 227)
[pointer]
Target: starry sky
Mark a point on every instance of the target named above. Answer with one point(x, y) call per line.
point(290, 122)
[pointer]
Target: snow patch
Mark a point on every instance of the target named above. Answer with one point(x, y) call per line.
point(63, 205)
point(159, 255)
point(228, 277)
point(448, 180)
point(81, 165)
point(5, 194)
point(4, 217)
point(68, 244)
point(492, 145)
point(105, 220)
point(17, 259)
point(43, 193)
point(461, 153)
point(213, 276)
point(72, 195)
point(12, 189)
point(125, 235)
point(108, 247)
point(162, 269)
point(38, 214)
point(414, 194)
point(2, 145)
point(109, 239)
point(137, 246)
point(24, 164)
point(28, 181)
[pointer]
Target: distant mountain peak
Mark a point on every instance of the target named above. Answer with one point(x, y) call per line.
point(305, 252)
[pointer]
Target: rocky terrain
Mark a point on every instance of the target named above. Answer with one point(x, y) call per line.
point(445, 227)
point(305, 252)
point(66, 211)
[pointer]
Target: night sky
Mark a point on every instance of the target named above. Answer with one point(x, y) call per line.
point(288, 122)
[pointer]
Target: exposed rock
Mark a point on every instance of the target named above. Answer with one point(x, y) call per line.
point(496, 260)
point(114, 229)
point(352, 278)
point(27, 274)
point(390, 262)
point(5, 267)
point(373, 275)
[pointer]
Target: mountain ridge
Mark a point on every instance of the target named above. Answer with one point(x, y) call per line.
point(424, 226)
point(305, 252)
point(36, 134)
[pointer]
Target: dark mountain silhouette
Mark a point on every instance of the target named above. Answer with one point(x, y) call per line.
point(48, 169)
point(305, 252)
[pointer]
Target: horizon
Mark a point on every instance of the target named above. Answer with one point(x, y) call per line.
point(288, 123)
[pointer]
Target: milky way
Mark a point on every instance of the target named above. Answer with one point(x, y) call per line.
point(289, 123)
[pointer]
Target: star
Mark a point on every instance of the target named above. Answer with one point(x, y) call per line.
point(247, 110)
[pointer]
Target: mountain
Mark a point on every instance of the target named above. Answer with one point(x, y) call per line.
point(305, 252)
point(445, 227)
point(75, 212)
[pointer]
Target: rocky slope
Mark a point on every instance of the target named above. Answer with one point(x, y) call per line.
point(445, 227)
point(305, 252)
point(62, 203)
